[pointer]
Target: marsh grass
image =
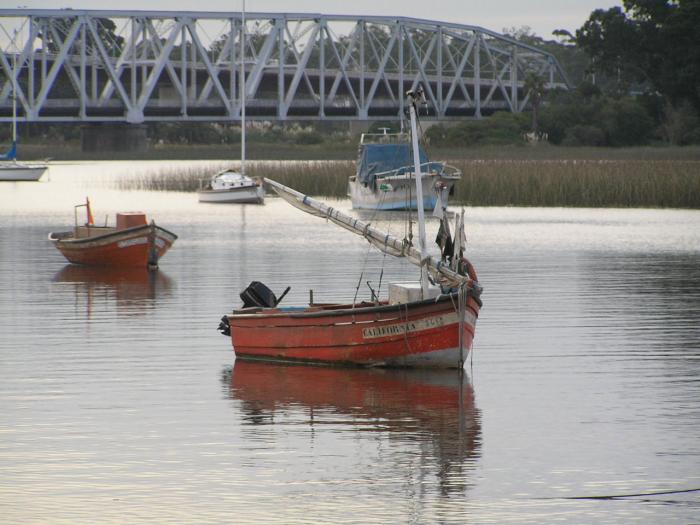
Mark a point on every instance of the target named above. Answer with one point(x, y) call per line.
point(185, 179)
point(580, 183)
point(324, 178)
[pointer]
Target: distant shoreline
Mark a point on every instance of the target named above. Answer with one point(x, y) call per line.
point(348, 151)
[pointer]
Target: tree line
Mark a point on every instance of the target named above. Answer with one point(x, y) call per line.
point(636, 76)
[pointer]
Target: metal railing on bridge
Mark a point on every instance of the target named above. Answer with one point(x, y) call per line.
point(138, 66)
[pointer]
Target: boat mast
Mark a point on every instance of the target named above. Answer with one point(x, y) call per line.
point(14, 93)
point(243, 89)
point(414, 98)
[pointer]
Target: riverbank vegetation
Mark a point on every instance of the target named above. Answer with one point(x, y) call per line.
point(494, 182)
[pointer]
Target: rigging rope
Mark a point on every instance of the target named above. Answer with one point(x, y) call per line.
point(369, 247)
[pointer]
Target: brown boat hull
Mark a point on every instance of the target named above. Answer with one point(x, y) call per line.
point(141, 246)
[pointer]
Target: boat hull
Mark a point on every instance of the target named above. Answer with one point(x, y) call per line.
point(418, 334)
point(21, 172)
point(397, 195)
point(141, 246)
point(243, 195)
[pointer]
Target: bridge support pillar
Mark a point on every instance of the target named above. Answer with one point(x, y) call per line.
point(113, 137)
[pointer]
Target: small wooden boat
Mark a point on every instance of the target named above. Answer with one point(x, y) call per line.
point(231, 187)
point(132, 242)
point(429, 323)
point(385, 178)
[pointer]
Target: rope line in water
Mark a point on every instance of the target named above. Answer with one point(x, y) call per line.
point(620, 496)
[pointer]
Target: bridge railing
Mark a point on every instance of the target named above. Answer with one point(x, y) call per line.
point(74, 65)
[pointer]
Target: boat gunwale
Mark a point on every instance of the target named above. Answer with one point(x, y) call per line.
point(350, 310)
point(412, 176)
point(228, 190)
point(134, 229)
point(253, 186)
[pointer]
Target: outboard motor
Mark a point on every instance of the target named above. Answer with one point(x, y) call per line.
point(224, 326)
point(257, 294)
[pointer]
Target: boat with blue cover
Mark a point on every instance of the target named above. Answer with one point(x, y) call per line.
point(385, 178)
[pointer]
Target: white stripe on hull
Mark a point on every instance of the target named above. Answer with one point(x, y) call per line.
point(247, 195)
point(21, 173)
point(446, 358)
point(396, 198)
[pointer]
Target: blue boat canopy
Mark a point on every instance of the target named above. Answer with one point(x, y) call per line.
point(378, 158)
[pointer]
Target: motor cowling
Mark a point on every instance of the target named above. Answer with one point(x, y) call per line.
point(259, 295)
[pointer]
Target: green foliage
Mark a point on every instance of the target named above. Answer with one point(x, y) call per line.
point(653, 43)
point(571, 57)
point(584, 118)
point(309, 137)
point(501, 128)
point(583, 135)
point(653, 46)
point(185, 133)
point(680, 126)
point(231, 135)
point(625, 122)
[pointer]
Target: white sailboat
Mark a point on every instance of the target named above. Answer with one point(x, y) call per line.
point(10, 168)
point(230, 186)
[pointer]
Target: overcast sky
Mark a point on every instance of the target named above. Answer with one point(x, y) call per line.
point(543, 16)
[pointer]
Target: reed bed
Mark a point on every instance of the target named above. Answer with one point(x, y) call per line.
point(587, 183)
point(579, 183)
point(323, 178)
point(185, 179)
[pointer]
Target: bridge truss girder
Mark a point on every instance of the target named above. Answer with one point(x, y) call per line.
point(123, 66)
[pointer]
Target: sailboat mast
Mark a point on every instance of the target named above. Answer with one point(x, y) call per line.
point(14, 96)
point(243, 30)
point(414, 98)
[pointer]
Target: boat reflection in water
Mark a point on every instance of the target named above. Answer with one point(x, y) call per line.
point(133, 290)
point(433, 409)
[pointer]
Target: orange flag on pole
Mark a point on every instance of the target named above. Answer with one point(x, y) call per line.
point(90, 219)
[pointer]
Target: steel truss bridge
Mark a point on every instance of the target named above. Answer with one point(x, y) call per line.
point(137, 66)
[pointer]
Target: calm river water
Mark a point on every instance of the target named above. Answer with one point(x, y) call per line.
point(121, 403)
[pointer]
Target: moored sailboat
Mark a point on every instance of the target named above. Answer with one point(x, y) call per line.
point(428, 323)
point(10, 168)
point(230, 186)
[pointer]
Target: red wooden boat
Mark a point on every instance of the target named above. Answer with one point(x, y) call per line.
point(417, 333)
point(133, 242)
point(428, 323)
